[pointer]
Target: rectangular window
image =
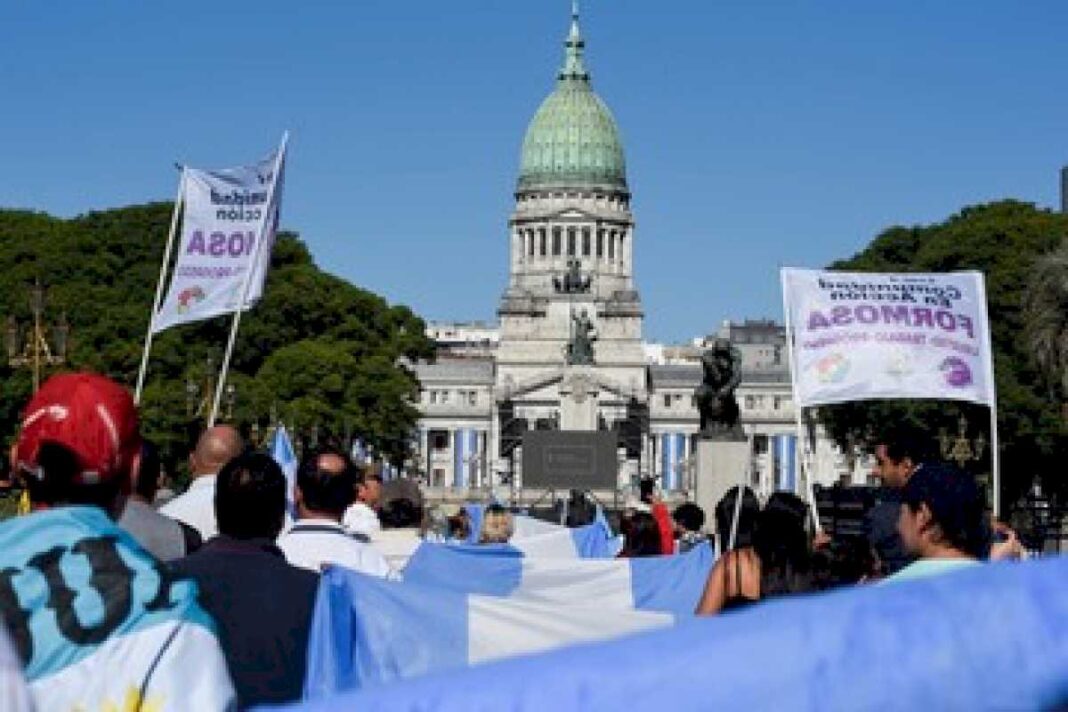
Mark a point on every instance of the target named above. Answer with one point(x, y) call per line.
point(600, 243)
point(611, 246)
point(542, 239)
point(750, 402)
point(444, 397)
point(530, 244)
point(556, 242)
point(571, 242)
point(667, 400)
point(439, 440)
point(585, 243)
point(433, 396)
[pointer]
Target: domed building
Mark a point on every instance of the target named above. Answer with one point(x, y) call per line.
point(568, 354)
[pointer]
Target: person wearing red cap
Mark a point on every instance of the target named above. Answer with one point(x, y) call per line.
point(96, 620)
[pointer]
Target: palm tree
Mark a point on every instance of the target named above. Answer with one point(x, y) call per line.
point(1046, 319)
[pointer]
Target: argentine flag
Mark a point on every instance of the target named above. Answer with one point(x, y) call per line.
point(367, 631)
point(989, 637)
point(535, 538)
point(99, 624)
point(669, 584)
point(282, 452)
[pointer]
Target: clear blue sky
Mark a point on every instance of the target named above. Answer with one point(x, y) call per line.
point(757, 134)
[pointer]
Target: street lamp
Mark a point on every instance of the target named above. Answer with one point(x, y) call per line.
point(36, 351)
point(961, 449)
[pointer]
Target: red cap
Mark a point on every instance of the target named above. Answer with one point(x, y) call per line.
point(90, 415)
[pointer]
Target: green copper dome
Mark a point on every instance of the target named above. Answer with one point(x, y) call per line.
point(572, 141)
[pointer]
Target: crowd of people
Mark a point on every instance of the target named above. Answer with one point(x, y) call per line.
point(255, 543)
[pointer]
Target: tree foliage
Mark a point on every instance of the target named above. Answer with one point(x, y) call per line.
point(1004, 240)
point(1046, 316)
point(316, 351)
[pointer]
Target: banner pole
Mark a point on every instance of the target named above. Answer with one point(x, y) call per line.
point(806, 471)
point(220, 382)
point(746, 477)
point(995, 451)
point(178, 201)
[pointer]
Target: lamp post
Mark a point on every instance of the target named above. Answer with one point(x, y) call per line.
point(961, 449)
point(36, 352)
point(198, 399)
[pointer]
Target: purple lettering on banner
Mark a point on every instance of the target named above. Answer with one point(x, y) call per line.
point(946, 320)
point(895, 315)
point(217, 244)
point(250, 241)
point(922, 317)
point(966, 324)
point(867, 314)
point(196, 243)
point(816, 320)
point(236, 246)
point(842, 316)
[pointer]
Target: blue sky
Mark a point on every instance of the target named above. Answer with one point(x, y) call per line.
point(757, 134)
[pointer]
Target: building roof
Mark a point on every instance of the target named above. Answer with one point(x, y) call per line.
point(463, 371)
point(572, 141)
point(686, 375)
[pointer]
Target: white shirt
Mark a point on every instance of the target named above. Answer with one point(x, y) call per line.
point(196, 507)
point(361, 519)
point(311, 543)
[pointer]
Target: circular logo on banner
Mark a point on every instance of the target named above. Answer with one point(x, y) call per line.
point(189, 297)
point(832, 368)
point(956, 372)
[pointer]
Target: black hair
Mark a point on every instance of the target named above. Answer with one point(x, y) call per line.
point(956, 505)
point(790, 504)
point(689, 516)
point(906, 441)
point(54, 482)
point(781, 542)
point(250, 497)
point(148, 471)
point(845, 560)
point(646, 489)
point(365, 473)
point(400, 512)
point(747, 517)
point(641, 535)
point(326, 489)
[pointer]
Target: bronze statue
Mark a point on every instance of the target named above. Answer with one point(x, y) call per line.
point(716, 403)
point(580, 348)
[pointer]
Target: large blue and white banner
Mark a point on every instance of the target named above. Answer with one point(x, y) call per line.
point(672, 453)
point(860, 335)
point(670, 584)
point(536, 539)
point(99, 624)
point(229, 225)
point(784, 459)
point(367, 631)
point(465, 459)
point(992, 637)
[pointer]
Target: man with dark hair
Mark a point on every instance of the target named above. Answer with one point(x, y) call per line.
point(325, 485)
point(77, 593)
point(165, 538)
point(899, 452)
point(689, 519)
point(942, 522)
point(361, 517)
point(263, 605)
point(747, 513)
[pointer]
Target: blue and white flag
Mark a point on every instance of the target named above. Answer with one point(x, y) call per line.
point(282, 452)
point(992, 637)
point(785, 458)
point(99, 624)
point(554, 541)
point(670, 584)
point(672, 453)
point(367, 631)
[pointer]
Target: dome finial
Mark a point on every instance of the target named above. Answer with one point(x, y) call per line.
point(573, 66)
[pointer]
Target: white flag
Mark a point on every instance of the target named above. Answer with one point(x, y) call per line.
point(863, 335)
point(231, 217)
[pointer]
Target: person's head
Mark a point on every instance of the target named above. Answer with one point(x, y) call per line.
point(400, 513)
point(78, 442)
point(369, 486)
point(943, 514)
point(459, 525)
point(641, 536)
point(747, 517)
point(781, 543)
point(215, 447)
point(250, 497)
point(689, 517)
point(647, 490)
point(325, 481)
point(146, 474)
point(844, 561)
point(497, 525)
point(899, 450)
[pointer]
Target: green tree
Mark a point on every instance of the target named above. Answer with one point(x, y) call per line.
point(316, 350)
point(1002, 240)
point(1046, 320)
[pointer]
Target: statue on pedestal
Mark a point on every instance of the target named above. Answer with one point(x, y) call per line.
point(583, 334)
point(722, 365)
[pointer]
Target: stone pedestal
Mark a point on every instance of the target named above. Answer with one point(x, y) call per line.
point(721, 464)
point(578, 399)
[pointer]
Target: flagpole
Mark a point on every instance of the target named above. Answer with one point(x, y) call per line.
point(995, 454)
point(178, 201)
point(810, 492)
point(224, 369)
